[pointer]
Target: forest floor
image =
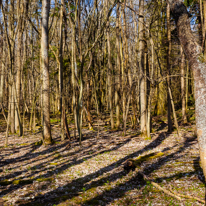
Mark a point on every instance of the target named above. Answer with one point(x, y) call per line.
point(93, 174)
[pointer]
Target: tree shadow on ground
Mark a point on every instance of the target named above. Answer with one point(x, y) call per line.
point(199, 171)
point(137, 180)
point(82, 182)
point(60, 167)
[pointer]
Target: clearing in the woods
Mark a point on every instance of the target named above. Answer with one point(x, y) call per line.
point(93, 174)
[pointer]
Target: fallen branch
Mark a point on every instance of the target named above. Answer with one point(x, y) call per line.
point(171, 192)
point(166, 191)
point(161, 188)
point(188, 196)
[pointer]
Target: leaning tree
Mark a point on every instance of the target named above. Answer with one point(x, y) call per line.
point(193, 52)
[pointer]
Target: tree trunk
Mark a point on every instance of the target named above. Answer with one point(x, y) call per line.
point(198, 65)
point(202, 24)
point(118, 79)
point(18, 126)
point(182, 66)
point(12, 115)
point(109, 72)
point(168, 70)
point(187, 82)
point(150, 92)
point(45, 73)
point(173, 111)
point(143, 104)
point(136, 78)
point(89, 102)
point(204, 12)
point(2, 74)
point(61, 72)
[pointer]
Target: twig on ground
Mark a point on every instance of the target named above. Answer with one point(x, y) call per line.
point(160, 188)
point(171, 192)
point(188, 196)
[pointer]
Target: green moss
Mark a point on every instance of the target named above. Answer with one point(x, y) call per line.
point(24, 144)
point(16, 182)
point(52, 163)
point(22, 182)
point(147, 138)
point(44, 179)
point(201, 58)
point(38, 143)
point(157, 155)
point(54, 120)
point(151, 156)
point(192, 118)
point(58, 155)
point(57, 142)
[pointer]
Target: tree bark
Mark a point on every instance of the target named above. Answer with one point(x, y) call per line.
point(12, 110)
point(150, 91)
point(118, 79)
point(88, 103)
point(187, 82)
point(18, 126)
point(143, 119)
point(202, 24)
point(45, 73)
point(61, 72)
point(182, 66)
point(168, 70)
point(204, 12)
point(136, 77)
point(2, 74)
point(109, 72)
point(197, 62)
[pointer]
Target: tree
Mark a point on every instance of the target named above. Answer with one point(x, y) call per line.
point(193, 52)
point(110, 97)
point(118, 67)
point(45, 73)
point(182, 67)
point(143, 105)
point(168, 70)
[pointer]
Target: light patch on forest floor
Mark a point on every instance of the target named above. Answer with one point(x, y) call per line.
point(93, 174)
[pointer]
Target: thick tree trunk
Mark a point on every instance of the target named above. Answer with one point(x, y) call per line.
point(45, 73)
point(198, 65)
